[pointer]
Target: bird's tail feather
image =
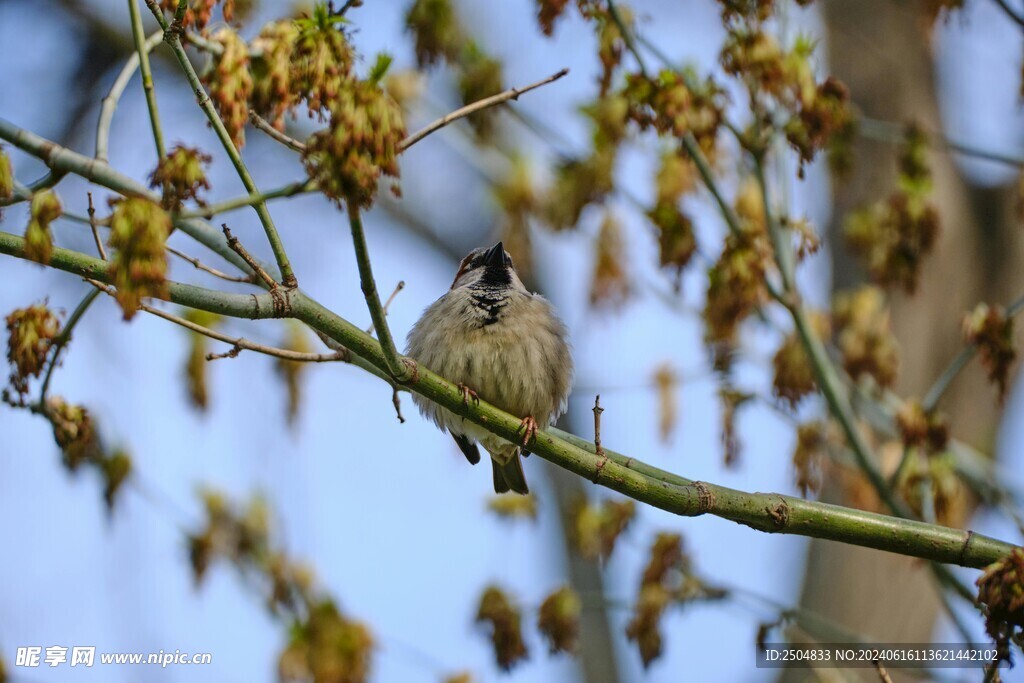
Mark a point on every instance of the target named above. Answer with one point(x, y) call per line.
point(510, 476)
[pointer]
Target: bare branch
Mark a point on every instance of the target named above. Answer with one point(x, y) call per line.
point(398, 288)
point(238, 344)
point(237, 247)
point(268, 128)
point(487, 102)
point(398, 369)
point(212, 271)
point(95, 230)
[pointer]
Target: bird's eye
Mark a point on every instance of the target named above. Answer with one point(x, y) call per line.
point(508, 260)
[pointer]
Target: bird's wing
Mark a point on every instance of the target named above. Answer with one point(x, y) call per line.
point(468, 448)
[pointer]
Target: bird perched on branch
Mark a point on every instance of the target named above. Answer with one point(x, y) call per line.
point(500, 343)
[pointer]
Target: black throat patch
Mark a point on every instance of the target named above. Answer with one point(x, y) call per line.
point(490, 301)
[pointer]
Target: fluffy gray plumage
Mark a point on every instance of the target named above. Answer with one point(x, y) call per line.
point(492, 335)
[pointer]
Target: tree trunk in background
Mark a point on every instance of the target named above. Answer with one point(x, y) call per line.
point(597, 647)
point(881, 50)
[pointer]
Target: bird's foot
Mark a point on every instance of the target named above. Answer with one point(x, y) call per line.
point(467, 394)
point(529, 428)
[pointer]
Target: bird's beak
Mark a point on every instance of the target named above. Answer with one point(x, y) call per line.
point(495, 256)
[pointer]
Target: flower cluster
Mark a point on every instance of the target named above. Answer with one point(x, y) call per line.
point(589, 179)
point(676, 241)
point(360, 143)
point(497, 609)
point(1001, 594)
point(794, 376)
point(30, 335)
point(517, 198)
point(732, 400)
point(45, 209)
point(863, 335)
point(230, 83)
point(666, 382)
point(817, 111)
point(6, 177)
point(196, 363)
point(439, 36)
point(558, 620)
point(667, 578)
point(609, 284)
point(290, 371)
point(323, 644)
point(809, 456)
point(138, 231)
point(273, 71)
point(736, 281)
point(991, 330)
point(547, 12)
point(919, 429)
point(327, 646)
point(932, 481)
point(180, 176)
point(321, 60)
point(480, 76)
point(675, 104)
point(894, 236)
point(436, 30)
point(74, 432)
point(513, 507)
point(596, 528)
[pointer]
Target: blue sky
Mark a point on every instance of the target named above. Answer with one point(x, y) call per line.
point(391, 517)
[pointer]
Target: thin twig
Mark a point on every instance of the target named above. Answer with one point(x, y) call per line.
point(883, 675)
point(62, 339)
point(289, 190)
point(173, 38)
point(627, 36)
point(398, 288)
point(237, 247)
point(95, 230)
point(23, 193)
point(397, 402)
point(399, 370)
point(1008, 11)
point(212, 271)
point(887, 131)
point(597, 426)
point(493, 100)
point(959, 362)
point(268, 128)
point(256, 198)
point(828, 379)
point(109, 104)
point(147, 77)
point(238, 344)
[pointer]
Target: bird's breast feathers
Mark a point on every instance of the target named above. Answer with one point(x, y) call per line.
point(520, 361)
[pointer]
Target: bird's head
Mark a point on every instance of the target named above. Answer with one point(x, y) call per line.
point(488, 269)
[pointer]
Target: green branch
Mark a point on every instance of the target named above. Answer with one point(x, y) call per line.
point(62, 340)
point(768, 512)
point(147, 77)
point(959, 362)
point(63, 160)
point(109, 104)
point(828, 379)
point(172, 37)
point(392, 359)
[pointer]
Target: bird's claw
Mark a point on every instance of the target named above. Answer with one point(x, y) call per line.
point(467, 394)
point(529, 428)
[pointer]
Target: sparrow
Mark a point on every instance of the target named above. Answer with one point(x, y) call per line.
point(501, 343)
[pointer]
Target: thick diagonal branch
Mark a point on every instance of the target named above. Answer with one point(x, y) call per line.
point(768, 512)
